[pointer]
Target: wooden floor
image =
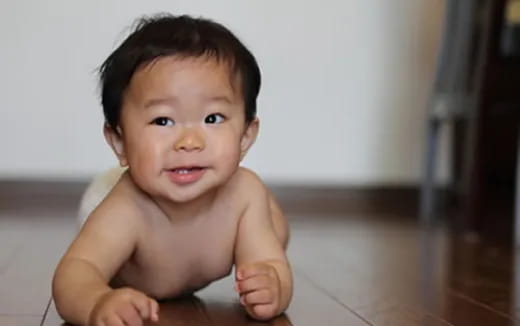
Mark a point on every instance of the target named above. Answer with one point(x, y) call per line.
point(351, 266)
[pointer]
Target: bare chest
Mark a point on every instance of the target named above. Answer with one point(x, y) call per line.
point(171, 260)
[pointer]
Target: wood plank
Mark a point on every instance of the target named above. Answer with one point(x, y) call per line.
point(218, 305)
point(484, 273)
point(388, 274)
point(352, 267)
point(26, 275)
point(309, 306)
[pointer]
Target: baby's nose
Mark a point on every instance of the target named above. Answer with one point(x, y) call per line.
point(191, 139)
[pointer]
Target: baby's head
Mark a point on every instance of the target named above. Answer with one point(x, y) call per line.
point(179, 98)
point(184, 37)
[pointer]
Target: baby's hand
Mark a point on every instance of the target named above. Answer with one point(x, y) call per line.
point(259, 288)
point(124, 307)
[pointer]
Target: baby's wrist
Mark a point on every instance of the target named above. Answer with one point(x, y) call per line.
point(96, 300)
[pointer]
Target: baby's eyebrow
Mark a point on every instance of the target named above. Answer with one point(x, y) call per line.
point(219, 98)
point(170, 101)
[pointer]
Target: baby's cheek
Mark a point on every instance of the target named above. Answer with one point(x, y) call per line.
point(228, 155)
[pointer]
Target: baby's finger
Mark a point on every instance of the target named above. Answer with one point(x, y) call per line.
point(154, 310)
point(248, 271)
point(130, 316)
point(264, 311)
point(263, 296)
point(114, 320)
point(254, 283)
point(141, 305)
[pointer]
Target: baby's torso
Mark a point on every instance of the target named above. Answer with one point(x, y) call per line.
point(174, 259)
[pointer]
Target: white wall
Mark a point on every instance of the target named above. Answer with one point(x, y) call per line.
point(345, 84)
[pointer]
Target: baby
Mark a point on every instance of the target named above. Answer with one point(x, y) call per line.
point(179, 98)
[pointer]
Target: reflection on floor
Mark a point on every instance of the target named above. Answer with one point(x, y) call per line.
point(374, 268)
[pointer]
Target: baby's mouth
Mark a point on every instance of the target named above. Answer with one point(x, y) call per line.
point(187, 170)
point(184, 175)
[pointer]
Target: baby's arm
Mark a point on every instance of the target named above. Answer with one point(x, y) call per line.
point(81, 279)
point(263, 274)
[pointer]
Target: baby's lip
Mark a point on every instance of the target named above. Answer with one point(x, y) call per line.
point(186, 174)
point(188, 167)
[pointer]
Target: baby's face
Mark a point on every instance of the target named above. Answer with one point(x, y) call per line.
point(183, 127)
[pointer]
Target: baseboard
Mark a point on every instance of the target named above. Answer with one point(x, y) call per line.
point(45, 196)
point(16, 194)
point(348, 199)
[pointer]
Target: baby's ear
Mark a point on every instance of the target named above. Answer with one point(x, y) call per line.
point(249, 137)
point(115, 140)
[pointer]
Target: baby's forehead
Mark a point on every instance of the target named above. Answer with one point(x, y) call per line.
point(184, 78)
point(180, 62)
point(205, 65)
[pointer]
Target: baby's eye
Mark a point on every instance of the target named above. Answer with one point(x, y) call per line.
point(163, 121)
point(214, 118)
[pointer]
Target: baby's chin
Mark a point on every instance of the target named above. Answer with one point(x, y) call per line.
point(192, 193)
point(184, 198)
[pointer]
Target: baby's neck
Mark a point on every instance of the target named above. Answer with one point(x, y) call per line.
point(187, 212)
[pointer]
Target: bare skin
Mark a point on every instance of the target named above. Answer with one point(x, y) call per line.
point(159, 268)
point(158, 236)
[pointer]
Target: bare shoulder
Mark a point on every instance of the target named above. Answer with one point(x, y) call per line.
point(252, 184)
point(259, 197)
point(123, 206)
point(115, 227)
point(258, 234)
point(248, 178)
point(249, 185)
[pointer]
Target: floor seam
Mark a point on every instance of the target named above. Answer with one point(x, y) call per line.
point(46, 312)
point(481, 304)
point(333, 297)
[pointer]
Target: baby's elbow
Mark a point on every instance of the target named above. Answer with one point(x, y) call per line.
point(57, 289)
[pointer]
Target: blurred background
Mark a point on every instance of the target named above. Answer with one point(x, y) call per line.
point(416, 98)
point(343, 100)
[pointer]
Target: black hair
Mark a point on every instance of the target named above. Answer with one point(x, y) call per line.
point(168, 35)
